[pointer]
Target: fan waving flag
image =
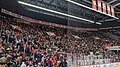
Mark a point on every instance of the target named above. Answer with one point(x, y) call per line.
point(51, 33)
point(17, 27)
point(77, 37)
point(97, 38)
point(94, 5)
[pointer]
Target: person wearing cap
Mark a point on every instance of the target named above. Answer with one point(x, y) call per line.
point(3, 62)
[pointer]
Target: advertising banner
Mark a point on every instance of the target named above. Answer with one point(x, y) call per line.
point(104, 65)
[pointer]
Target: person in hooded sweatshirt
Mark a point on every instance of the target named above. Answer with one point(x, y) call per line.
point(23, 64)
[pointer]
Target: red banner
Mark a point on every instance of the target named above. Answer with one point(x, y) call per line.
point(41, 22)
point(113, 11)
point(108, 9)
point(94, 4)
point(99, 5)
point(104, 7)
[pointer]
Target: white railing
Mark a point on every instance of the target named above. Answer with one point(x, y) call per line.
point(74, 60)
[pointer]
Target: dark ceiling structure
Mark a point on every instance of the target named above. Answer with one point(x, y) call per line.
point(66, 13)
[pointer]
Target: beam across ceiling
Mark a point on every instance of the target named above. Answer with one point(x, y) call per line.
point(116, 4)
point(56, 12)
point(117, 12)
point(88, 1)
point(106, 20)
point(112, 1)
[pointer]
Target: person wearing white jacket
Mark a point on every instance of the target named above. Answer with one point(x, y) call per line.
point(23, 64)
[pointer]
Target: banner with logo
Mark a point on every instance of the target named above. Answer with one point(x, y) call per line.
point(42, 22)
point(113, 11)
point(108, 9)
point(99, 5)
point(94, 4)
point(104, 7)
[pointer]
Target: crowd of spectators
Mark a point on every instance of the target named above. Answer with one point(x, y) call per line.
point(30, 45)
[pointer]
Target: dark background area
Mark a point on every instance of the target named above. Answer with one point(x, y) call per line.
point(14, 6)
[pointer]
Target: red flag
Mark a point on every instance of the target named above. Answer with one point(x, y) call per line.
point(94, 5)
point(32, 50)
point(108, 9)
point(113, 11)
point(99, 5)
point(17, 27)
point(104, 7)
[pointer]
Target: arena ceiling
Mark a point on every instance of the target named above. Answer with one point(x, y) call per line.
point(64, 7)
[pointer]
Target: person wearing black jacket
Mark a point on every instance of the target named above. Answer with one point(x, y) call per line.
point(63, 63)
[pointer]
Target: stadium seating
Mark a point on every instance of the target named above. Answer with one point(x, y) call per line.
point(29, 45)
